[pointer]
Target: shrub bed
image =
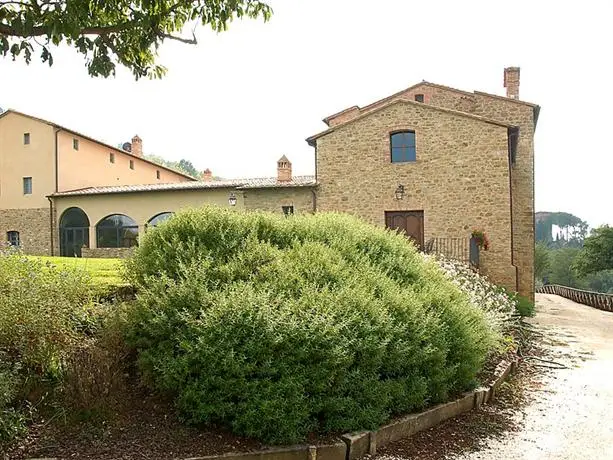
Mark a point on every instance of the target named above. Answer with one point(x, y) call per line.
point(44, 313)
point(279, 327)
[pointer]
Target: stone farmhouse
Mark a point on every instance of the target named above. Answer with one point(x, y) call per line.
point(434, 162)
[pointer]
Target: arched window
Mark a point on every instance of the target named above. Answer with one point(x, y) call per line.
point(74, 232)
point(402, 146)
point(159, 218)
point(74, 217)
point(13, 238)
point(117, 231)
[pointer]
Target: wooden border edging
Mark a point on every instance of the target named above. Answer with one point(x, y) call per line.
point(598, 300)
point(283, 453)
point(357, 445)
point(367, 442)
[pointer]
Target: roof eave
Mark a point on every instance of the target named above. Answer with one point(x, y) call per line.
point(96, 141)
point(115, 192)
point(536, 113)
point(271, 186)
point(504, 98)
point(311, 140)
point(334, 115)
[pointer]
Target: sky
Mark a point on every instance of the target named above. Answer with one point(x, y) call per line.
point(239, 100)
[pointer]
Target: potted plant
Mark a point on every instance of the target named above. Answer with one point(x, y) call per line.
point(481, 239)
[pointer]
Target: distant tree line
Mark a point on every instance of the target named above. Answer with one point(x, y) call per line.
point(184, 166)
point(571, 229)
point(568, 256)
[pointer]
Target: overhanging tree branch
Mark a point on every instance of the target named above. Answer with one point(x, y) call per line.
point(189, 41)
point(128, 33)
point(38, 31)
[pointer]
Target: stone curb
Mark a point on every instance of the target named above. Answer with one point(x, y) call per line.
point(357, 445)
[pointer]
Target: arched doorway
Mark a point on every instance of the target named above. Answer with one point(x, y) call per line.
point(74, 232)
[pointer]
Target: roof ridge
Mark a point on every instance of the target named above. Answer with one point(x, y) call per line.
point(97, 141)
point(311, 139)
point(428, 83)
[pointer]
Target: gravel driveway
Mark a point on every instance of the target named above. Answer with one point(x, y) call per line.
point(570, 415)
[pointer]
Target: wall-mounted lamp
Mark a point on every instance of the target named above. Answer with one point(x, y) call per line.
point(232, 199)
point(399, 193)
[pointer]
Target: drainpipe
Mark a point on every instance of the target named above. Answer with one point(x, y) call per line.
point(51, 226)
point(316, 181)
point(314, 200)
point(57, 173)
point(511, 212)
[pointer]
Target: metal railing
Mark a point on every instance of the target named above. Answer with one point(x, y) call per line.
point(460, 249)
point(593, 299)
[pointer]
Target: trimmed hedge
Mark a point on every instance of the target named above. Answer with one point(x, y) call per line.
point(279, 327)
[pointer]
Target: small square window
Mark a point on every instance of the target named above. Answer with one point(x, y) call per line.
point(157, 174)
point(288, 210)
point(13, 238)
point(75, 144)
point(419, 98)
point(131, 164)
point(112, 157)
point(26, 138)
point(27, 186)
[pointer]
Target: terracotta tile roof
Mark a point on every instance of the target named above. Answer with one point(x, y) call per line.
point(368, 107)
point(240, 184)
point(311, 140)
point(272, 182)
point(353, 107)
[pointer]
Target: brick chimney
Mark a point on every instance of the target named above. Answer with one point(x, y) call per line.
point(137, 146)
point(511, 82)
point(207, 174)
point(284, 169)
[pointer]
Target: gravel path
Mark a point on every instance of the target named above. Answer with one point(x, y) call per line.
point(570, 415)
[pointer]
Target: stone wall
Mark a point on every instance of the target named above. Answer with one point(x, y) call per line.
point(106, 253)
point(522, 183)
point(460, 179)
point(33, 226)
point(272, 199)
point(522, 173)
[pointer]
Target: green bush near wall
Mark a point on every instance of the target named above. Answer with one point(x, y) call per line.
point(45, 311)
point(279, 327)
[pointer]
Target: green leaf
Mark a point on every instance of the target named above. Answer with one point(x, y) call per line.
point(132, 31)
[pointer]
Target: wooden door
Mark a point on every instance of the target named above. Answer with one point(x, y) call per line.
point(411, 223)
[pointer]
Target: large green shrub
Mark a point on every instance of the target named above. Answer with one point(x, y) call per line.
point(278, 327)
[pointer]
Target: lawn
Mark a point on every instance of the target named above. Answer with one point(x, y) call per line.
point(104, 272)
